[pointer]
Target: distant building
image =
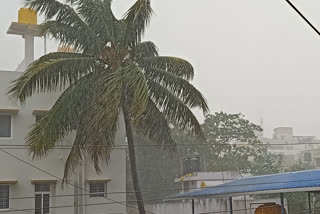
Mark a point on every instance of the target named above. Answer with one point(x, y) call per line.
point(293, 148)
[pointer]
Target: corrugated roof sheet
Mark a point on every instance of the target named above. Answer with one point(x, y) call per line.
point(285, 182)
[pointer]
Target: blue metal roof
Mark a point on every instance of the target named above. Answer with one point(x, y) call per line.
point(285, 182)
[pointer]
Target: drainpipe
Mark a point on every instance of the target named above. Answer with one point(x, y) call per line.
point(309, 202)
point(245, 204)
point(230, 203)
point(193, 208)
point(282, 204)
point(84, 195)
point(76, 196)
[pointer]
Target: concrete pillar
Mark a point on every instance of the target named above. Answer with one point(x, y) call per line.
point(29, 49)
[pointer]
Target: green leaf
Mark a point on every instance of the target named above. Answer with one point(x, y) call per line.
point(136, 83)
point(174, 109)
point(51, 72)
point(154, 125)
point(179, 87)
point(99, 16)
point(144, 49)
point(59, 121)
point(137, 19)
point(177, 66)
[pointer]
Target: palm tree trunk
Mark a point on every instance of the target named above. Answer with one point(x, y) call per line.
point(132, 157)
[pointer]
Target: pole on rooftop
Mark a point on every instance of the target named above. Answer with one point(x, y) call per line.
point(230, 203)
point(309, 202)
point(282, 204)
point(245, 204)
point(193, 210)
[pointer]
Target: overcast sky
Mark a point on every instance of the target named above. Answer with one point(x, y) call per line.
point(256, 57)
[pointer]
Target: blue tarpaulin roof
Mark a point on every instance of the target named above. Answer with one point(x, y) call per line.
point(277, 183)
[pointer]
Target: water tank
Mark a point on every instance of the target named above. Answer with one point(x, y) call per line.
point(269, 208)
point(191, 164)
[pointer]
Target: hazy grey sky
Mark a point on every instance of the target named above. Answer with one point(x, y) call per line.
point(256, 57)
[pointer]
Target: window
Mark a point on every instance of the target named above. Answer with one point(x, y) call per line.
point(307, 156)
point(4, 196)
point(5, 126)
point(97, 189)
point(42, 198)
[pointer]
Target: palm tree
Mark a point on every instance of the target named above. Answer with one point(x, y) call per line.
point(112, 75)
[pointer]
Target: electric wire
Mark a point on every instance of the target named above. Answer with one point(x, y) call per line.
point(48, 173)
point(178, 189)
point(214, 212)
point(114, 202)
point(153, 145)
point(303, 17)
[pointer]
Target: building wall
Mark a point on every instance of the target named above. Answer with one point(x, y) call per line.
point(12, 169)
point(214, 205)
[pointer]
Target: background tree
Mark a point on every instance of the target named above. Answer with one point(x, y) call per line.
point(231, 145)
point(112, 72)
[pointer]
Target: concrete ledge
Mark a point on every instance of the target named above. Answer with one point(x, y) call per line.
point(8, 181)
point(9, 111)
point(101, 180)
point(41, 181)
point(40, 112)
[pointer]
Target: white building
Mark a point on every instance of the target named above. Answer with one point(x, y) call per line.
point(293, 148)
point(34, 186)
point(197, 180)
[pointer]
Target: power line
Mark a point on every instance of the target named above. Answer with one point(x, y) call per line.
point(165, 190)
point(98, 204)
point(114, 202)
point(303, 17)
point(48, 173)
point(154, 145)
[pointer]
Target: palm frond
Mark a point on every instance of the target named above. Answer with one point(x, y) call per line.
point(137, 19)
point(102, 118)
point(59, 121)
point(174, 109)
point(177, 66)
point(51, 72)
point(179, 87)
point(79, 38)
point(154, 125)
point(48, 7)
point(66, 16)
point(99, 16)
point(144, 49)
point(75, 156)
point(136, 83)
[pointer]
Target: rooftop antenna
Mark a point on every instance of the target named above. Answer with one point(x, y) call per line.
point(45, 40)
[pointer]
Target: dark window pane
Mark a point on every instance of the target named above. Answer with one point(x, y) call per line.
point(98, 188)
point(42, 187)
point(39, 117)
point(5, 125)
point(4, 196)
point(38, 203)
point(46, 203)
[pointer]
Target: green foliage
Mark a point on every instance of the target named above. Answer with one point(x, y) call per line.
point(231, 145)
point(111, 71)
